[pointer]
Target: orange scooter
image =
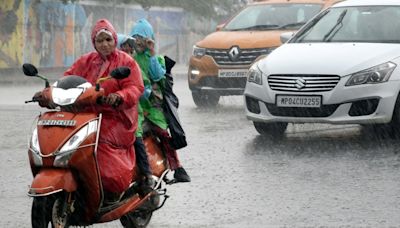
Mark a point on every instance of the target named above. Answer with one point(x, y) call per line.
point(67, 189)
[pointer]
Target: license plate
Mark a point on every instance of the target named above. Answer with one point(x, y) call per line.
point(232, 73)
point(298, 101)
point(66, 123)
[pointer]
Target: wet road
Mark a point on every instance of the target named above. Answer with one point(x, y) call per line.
point(317, 176)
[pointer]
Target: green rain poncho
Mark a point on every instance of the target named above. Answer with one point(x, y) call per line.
point(153, 73)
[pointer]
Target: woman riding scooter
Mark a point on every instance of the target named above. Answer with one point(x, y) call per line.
point(115, 152)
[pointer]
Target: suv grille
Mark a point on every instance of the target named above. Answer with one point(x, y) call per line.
point(243, 57)
point(215, 82)
point(303, 83)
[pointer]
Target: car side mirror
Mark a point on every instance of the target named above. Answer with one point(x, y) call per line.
point(286, 36)
point(219, 27)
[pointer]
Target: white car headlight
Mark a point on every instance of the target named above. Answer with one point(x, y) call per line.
point(35, 148)
point(373, 75)
point(255, 76)
point(198, 51)
point(63, 156)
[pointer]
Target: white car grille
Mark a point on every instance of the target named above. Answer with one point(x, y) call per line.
point(303, 83)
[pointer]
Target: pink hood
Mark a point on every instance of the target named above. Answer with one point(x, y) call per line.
point(103, 24)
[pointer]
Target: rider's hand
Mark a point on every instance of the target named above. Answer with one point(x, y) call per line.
point(150, 46)
point(43, 101)
point(38, 97)
point(113, 99)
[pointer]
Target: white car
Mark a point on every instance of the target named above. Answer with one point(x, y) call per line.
point(342, 67)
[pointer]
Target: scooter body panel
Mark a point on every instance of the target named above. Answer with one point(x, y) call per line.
point(49, 181)
point(130, 204)
point(157, 161)
point(55, 128)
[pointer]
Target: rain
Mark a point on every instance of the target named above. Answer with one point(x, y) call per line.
point(316, 175)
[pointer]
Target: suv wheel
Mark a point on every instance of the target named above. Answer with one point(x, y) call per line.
point(205, 99)
point(275, 130)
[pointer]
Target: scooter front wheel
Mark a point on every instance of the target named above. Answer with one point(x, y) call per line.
point(60, 212)
point(136, 219)
point(41, 213)
point(50, 210)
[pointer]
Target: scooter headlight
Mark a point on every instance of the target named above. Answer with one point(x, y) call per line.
point(68, 96)
point(35, 148)
point(64, 155)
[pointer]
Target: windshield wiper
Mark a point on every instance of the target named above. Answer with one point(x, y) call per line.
point(292, 25)
point(308, 27)
point(257, 27)
point(332, 32)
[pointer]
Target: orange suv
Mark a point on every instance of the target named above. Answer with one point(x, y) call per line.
point(219, 63)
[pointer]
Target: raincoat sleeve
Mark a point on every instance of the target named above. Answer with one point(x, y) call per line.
point(157, 68)
point(147, 87)
point(77, 68)
point(132, 87)
point(147, 92)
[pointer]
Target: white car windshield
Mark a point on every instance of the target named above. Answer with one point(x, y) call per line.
point(64, 97)
point(373, 24)
point(273, 16)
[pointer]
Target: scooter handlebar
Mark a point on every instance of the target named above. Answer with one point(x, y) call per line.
point(30, 101)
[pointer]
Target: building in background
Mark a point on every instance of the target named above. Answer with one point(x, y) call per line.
point(49, 33)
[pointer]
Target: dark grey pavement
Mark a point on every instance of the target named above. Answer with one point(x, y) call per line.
point(317, 176)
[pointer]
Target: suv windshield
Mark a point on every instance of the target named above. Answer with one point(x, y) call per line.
point(273, 16)
point(373, 24)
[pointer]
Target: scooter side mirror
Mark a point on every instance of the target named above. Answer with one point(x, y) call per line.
point(30, 70)
point(120, 72)
point(117, 73)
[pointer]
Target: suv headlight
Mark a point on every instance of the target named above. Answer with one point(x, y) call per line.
point(198, 51)
point(255, 76)
point(64, 155)
point(373, 75)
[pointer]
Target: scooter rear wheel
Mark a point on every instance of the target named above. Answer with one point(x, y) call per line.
point(136, 219)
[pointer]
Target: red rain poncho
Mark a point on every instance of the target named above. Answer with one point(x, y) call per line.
point(115, 153)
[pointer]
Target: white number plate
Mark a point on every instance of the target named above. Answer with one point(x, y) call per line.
point(232, 73)
point(298, 101)
point(67, 123)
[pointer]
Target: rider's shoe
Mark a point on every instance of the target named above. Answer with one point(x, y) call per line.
point(180, 175)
